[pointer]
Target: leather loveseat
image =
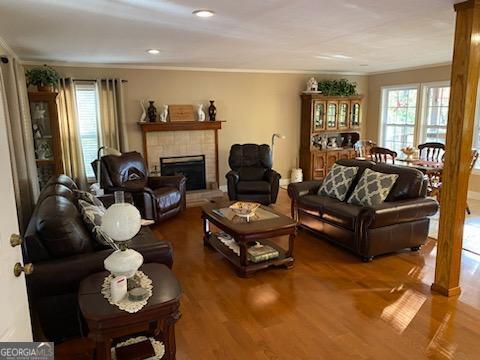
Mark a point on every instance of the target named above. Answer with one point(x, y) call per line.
point(252, 177)
point(63, 252)
point(401, 221)
point(157, 197)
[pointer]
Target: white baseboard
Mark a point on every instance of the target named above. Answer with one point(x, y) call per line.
point(283, 182)
point(474, 195)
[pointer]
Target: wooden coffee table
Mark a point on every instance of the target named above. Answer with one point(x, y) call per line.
point(107, 322)
point(246, 233)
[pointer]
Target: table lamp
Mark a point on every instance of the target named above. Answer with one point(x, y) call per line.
point(121, 223)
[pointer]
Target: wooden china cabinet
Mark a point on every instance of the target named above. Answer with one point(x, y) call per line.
point(46, 135)
point(330, 126)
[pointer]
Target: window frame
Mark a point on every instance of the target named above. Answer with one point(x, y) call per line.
point(424, 107)
point(383, 109)
point(94, 85)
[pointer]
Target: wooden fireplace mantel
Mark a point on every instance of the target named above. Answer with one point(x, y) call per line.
point(181, 126)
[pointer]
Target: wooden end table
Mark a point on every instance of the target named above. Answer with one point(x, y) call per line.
point(245, 233)
point(107, 322)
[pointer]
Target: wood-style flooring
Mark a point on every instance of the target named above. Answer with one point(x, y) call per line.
point(329, 306)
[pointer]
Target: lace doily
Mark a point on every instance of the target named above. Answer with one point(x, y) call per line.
point(125, 304)
point(158, 347)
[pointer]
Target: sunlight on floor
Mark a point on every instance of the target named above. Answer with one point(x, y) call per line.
point(403, 311)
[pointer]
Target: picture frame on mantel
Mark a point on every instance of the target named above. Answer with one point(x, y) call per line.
point(181, 113)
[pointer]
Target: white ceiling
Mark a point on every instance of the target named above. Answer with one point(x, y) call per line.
point(244, 34)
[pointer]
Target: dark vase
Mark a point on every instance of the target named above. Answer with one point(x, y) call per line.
point(212, 111)
point(152, 112)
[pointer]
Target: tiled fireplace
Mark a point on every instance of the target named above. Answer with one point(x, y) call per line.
point(182, 140)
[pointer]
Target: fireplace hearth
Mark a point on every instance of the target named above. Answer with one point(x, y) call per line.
point(192, 167)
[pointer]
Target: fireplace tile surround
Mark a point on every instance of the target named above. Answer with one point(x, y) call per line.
point(183, 143)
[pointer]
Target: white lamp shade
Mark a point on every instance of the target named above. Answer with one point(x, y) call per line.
point(124, 262)
point(121, 221)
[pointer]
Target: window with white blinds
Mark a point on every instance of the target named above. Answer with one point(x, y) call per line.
point(87, 109)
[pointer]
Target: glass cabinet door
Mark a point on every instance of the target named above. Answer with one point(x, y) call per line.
point(318, 115)
point(43, 140)
point(332, 115)
point(356, 113)
point(343, 114)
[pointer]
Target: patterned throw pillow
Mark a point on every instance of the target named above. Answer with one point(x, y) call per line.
point(338, 181)
point(372, 188)
point(92, 217)
point(88, 197)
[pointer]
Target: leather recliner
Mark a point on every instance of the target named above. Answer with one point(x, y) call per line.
point(157, 197)
point(401, 221)
point(252, 177)
point(63, 252)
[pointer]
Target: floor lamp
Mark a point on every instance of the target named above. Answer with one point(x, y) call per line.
point(97, 187)
point(275, 136)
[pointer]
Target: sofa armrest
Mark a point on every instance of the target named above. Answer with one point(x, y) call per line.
point(295, 190)
point(177, 182)
point(62, 276)
point(232, 180)
point(395, 212)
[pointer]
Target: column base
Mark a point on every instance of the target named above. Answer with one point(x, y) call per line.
point(444, 291)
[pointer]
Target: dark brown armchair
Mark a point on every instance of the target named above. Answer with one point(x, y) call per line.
point(157, 197)
point(252, 177)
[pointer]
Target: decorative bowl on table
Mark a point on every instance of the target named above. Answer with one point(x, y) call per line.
point(409, 152)
point(244, 209)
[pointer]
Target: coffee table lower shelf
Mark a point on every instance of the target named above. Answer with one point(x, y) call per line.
point(245, 270)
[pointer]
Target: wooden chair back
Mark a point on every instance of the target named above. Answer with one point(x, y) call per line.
point(362, 148)
point(431, 151)
point(383, 155)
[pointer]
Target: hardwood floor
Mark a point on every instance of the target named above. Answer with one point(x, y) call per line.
point(329, 306)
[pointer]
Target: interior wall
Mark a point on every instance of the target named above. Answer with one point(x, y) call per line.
point(254, 105)
point(425, 75)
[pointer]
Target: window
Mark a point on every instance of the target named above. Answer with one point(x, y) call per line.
point(435, 115)
point(399, 114)
point(87, 109)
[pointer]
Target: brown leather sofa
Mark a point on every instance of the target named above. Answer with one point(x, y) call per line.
point(63, 252)
point(252, 177)
point(157, 197)
point(402, 221)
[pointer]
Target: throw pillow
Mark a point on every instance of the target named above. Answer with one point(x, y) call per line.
point(338, 181)
point(372, 188)
point(92, 217)
point(88, 197)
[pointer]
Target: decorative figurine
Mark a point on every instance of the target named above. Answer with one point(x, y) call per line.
point(164, 114)
point(312, 84)
point(349, 141)
point(200, 113)
point(212, 111)
point(152, 112)
point(332, 143)
point(324, 142)
point(144, 112)
point(37, 132)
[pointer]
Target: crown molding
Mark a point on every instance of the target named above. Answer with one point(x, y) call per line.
point(185, 68)
point(420, 67)
point(8, 49)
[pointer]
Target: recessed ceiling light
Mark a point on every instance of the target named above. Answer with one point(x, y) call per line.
point(363, 64)
point(323, 57)
point(340, 56)
point(203, 13)
point(153, 51)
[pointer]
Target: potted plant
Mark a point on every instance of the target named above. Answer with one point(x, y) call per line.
point(43, 77)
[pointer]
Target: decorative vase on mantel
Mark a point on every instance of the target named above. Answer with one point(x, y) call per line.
point(212, 111)
point(152, 112)
point(45, 88)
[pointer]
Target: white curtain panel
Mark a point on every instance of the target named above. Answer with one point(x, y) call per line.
point(19, 128)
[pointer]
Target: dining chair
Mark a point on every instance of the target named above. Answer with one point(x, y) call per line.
point(475, 155)
point(431, 151)
point(362, 148)
point(383, 155)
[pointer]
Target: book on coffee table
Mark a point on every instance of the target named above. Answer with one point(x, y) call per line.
point(258, 253)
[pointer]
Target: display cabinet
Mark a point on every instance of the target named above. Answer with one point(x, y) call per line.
point(46, 135)
point(330, 126)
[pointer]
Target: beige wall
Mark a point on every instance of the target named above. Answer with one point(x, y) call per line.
point(375, 83)
point(255, 105)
